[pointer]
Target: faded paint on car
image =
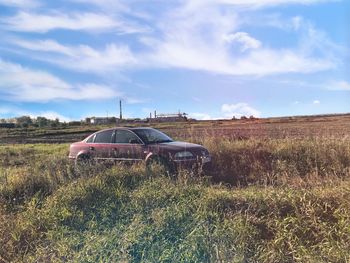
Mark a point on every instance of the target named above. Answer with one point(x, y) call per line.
point(176, 153)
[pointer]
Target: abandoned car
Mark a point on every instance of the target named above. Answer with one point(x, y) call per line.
point(139, 144)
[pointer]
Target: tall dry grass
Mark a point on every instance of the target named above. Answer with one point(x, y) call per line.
point(308, 161)
point(264, 200)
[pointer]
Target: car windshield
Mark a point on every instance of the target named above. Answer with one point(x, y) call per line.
point(152, 136)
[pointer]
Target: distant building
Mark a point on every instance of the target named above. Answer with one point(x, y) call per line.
point(7, 125)
point(99, 120)
point(169, 117)
point(12, 120)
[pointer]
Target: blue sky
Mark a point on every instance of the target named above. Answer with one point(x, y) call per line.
point(209, 58)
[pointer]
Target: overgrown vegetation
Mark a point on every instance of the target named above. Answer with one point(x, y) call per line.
point(263, 200)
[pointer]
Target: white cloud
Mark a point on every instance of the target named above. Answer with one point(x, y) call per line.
point(42, 23)
point(269, 61)
point(316, 102)
point(82, 57)
point(252, 3)
point(47, 45)
point(201, 39)
point(238, 110)
point(22, 84)
point(261, 62)
point(13, 75)
point(310, 41)
point(88, 59)
point(130, 100)
point(20, 3)
point(228, 111)
point(105, 4)
point(125, 9)
point(200, 116)
point(10, 111)
point(244, 39)
point(51, 115)
point(338, 85)
point(297, 22)
point(193, 39)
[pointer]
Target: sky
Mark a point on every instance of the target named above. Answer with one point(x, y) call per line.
point(71, 59)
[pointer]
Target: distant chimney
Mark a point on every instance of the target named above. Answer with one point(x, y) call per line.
point(120, 110)
point(155, 114)
point(150, 115)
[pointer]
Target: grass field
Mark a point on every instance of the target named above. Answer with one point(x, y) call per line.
point(281, 196)
point(283, 127)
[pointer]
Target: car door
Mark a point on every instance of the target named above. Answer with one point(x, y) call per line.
point(127, 146)
point(101, 148)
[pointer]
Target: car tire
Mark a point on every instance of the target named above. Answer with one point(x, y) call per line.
point(83, 160)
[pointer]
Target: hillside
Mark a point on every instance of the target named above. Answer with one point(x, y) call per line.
point(295, 127)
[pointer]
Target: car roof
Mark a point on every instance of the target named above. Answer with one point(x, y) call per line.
point(126, 128)
point(120, 128)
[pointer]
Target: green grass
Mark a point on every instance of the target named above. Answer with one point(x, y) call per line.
point(263, 200)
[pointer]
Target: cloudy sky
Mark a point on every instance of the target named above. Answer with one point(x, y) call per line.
point(209, 58)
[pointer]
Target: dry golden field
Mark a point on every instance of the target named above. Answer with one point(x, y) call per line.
point(278, 191)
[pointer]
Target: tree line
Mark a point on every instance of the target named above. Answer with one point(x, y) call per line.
point(27, 121)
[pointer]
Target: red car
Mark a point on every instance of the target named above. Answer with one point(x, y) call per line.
point(139, 144)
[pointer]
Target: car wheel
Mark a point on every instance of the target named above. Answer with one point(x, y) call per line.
point(83, 160)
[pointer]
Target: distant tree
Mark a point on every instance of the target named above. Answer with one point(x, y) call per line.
point(42, 121)
point(244, 117)
point(74, 123)
point(112, 120)
point(52, 124)
point(24, 121)
point(55, 123)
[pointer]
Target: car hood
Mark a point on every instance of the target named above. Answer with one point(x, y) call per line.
point(177, 146)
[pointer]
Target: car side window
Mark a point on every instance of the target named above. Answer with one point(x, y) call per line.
point(123, 136)
point(104, 137)
point(91, 139)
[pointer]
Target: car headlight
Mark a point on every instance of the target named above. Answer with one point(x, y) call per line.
point(205, 153)
point(184, 154)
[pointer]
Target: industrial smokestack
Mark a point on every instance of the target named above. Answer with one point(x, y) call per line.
point(120, 110)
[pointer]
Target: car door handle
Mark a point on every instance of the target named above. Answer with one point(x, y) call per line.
point(92, 148)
